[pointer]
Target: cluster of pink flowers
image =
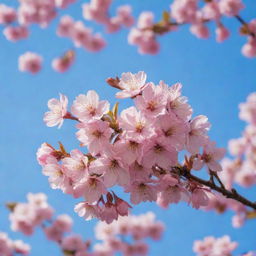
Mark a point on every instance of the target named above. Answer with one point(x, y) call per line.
point(241, 169)
point(197, 16)
point(143, 36)
point(41, 12)
point(212, 246)
point(98, 11)
point(30, 62)
point(81, 35)
point(221, 204)
point(137, 150)
point(16, 33)
point(7, 14)
point(136, 228)
point(10, 247)
point(25, 217)
point(29, 12)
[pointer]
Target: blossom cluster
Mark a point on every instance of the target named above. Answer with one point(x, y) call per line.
point(10, 247)
point(197, 15)
point(137, 150)
point(81, 35)
point(136, 228)
point(98, 11)
point(37, 213)
point(241, 169)
point(211, 246)
point(17, 23)
point(30, 62)
point(25, 217)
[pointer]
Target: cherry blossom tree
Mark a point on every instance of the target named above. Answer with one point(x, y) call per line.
point(156, 150)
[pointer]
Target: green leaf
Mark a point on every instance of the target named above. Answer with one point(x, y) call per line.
point(166, 16)
point(115, 110)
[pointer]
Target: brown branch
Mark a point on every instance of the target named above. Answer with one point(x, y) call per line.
point(164, 27)
point(245, 24)
point(233, 194)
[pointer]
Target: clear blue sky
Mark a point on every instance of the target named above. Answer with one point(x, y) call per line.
point(216, 78)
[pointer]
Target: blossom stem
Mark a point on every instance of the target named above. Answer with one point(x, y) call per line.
point(70, 116)
point(243, 22)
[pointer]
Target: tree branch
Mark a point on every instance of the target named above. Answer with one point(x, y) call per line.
point(233, 194)
point(244, 23)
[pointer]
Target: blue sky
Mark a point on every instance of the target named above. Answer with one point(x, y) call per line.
point(216, 78)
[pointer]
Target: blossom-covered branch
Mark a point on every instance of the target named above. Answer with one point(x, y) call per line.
point(233, 194)
point(195, 13)
point(137, 150)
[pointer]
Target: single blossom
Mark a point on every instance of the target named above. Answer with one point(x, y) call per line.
point(210, 157)
point(30, 62)
point(88, 107)
point(58, 111)
point(131, 84)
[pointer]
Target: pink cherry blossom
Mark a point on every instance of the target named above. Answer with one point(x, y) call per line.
point(230, 7)
point(43, 153)
point(87, 211)
point(91, 188)
point(184, 10)
point(210, 157)
point(222, 33)
point(30, 62)
point(249, 49)
point(211, 246)
point(7, 14)
point(211, 11)
point(124, 14)
point(73, 243)
point(248, 109)
point(58, 110)
point(95, 135)
point(199, 198)
point(66, 26)
point(15, 34)
point(55, 172)
point(131, 84)
point(152, 102)
point(142, 192)
point(135, 125)
point(157, 152)
point(76, 165)
point(200, 30)
point(112, 169)
point(63, 3)
point(197, 135)
point(63, 63)
point(173, 130)
point(177, 103)
point(88, 107)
